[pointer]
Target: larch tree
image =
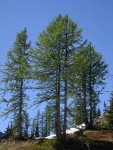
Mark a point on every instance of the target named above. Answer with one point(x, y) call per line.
point(52, 58)
point(37, 126)
point(96, 80)
point(110, 113)
point(90, 70)
point(98, 112)
point(33, 128)
point(71, 40)
point(15, 79)
point(50, 111)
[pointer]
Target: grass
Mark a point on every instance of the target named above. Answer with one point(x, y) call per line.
point(88, 136)
point(26, 145)
point(100, 135)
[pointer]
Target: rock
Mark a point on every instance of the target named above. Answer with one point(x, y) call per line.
point(100, 122)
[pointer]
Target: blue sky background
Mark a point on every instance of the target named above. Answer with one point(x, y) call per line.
point(95, 17)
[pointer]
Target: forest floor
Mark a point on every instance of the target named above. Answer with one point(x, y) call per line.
point(88, 135)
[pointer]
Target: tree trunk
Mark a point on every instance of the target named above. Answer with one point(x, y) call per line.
point(57, 122)
point(85, 117)
point(26, 126)
point(65, 89)
point(65, 110)
point(94, 109)
point(20, 111)
point(90, 97)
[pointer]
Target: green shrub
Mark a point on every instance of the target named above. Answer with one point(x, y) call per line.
point(42, 145)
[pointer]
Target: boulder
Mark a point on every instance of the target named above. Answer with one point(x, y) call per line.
point(100, 122)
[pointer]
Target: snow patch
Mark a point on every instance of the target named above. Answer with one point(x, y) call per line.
point(51, 136)
point(69, 131)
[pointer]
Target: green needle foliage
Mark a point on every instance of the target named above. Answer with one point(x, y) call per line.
point(15, 79)
point(52, 60)
point(110, 113)
point(68, 74)
point(87, 83)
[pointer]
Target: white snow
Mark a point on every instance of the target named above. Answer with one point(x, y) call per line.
point(81, 126)
point(51, 136)
point(69, 131)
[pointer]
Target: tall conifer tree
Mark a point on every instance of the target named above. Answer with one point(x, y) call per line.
point(15, 79)
point(56, 47)
point(110, 112)
point(90, 70)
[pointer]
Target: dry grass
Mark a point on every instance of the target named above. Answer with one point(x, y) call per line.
point(25, 145)
point(89, 135)
point(14, 145)
point(101, 135)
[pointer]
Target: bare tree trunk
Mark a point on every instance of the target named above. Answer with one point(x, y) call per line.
point(90, 98)
point(26, 126)
point(85, 117)
point(65, 88)
point(65, 110)
point(57, 122)
point(20, 111)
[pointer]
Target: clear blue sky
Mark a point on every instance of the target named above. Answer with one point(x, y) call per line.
point(94, 16)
